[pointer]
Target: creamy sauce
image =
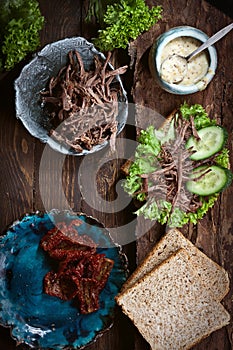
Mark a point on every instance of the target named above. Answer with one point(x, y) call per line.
point(172, 69)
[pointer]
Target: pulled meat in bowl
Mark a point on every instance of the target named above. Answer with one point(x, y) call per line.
point(82, 104)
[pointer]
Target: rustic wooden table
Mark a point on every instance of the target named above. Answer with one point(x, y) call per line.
point(20, 153)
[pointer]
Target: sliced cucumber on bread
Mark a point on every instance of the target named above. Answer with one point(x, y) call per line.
point(211, 140)
point(207, 180)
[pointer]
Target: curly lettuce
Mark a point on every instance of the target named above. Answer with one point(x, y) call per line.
point(156, 210)
point(146, 161)
point(125, 21)
point(223, 159)
point(201, 119)
point(20, 23)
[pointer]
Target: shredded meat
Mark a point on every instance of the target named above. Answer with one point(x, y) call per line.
point(168, 181)
point(83, 105)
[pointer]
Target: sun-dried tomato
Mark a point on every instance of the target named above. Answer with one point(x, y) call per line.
point(51, 239)
point(98, 268)
point(60, 286)
point(74, 252)
point(65, 236)
point(72, 267)
point(88, 295)
point(103, 272)
point(81, 272)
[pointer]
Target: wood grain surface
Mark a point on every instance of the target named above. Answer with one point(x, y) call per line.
point(26, 185)
point(213, 234)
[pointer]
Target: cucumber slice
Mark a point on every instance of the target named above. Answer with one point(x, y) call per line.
point(212, 140)
point(207, 180)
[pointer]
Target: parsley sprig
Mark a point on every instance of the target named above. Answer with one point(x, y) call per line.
point(124, 22)
point(20, 23)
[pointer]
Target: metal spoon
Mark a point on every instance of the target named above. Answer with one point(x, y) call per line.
point(178, 65)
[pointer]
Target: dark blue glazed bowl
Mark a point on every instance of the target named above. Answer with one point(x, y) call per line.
point(40, 320)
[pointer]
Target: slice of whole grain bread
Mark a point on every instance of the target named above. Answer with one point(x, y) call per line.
point(171, 307)
point(214, 277)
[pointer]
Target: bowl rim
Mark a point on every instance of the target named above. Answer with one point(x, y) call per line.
point(39, 59)
point(184, 31)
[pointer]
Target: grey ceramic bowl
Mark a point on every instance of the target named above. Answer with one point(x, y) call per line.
point(155, 60)
point(34, 78)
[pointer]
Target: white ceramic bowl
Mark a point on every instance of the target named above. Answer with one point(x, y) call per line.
point(155, 60)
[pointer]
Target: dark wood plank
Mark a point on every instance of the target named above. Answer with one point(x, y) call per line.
point(214, 233)
point(16, 170)
point(27, 184)
point(20, 153)
point(62, 19)
point(62, 182)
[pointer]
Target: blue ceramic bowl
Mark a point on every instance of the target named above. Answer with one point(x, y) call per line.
point(40, 320)
point(156, 53)
point(34, 78)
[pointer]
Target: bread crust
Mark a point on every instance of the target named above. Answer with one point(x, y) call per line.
point(203, 305)
point(199, 259)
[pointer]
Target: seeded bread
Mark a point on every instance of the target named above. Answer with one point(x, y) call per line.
point(171, 307)
point(214, 277)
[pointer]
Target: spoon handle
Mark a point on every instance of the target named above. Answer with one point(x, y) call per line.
point(211, 40)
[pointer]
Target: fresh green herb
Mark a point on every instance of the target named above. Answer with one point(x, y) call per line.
point(178, 218)
point(201, 117)
point(156, 210)
point(125, 21)
point(167, 134)
point(20, 22)
point(145, 161)
point(207, 203)
point(223, 159)
point(147, 156)
point(149, 141)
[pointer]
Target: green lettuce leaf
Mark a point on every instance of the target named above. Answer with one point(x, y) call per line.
point(156, 210)
point(20, 23)
point(223, 159)
point(146, 161)
point(201, 119)
point(125, 21)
